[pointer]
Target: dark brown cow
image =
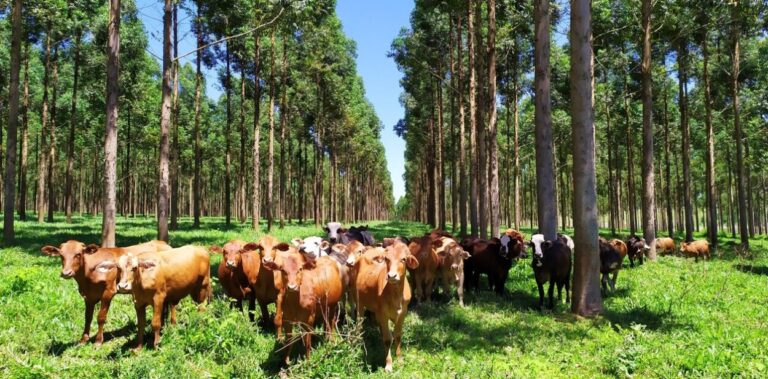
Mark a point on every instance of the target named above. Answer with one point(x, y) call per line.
point(494, 258)
point(611, 260)
point(637, 248)
point(696, 249)
point(312, 287)
point(382, 288)
point(552, 265)
point(162, 280)
point(95, 271)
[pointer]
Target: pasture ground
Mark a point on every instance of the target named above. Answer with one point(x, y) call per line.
point(670, 318)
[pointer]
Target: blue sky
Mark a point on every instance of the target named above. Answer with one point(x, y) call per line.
point(372, 24)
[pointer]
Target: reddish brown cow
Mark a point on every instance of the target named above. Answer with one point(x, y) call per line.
point(696, 249)
point(423, 248)
point(312, 287)
point(242, 276)
point(665, 245)
point(383, 289)
point(620, 246)
point(451, 268)
point(269, 291)
point(162, 280)
point(95, 271)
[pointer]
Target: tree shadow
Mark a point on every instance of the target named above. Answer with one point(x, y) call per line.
point(652, 319)
point(58, 348)
point(752, 269)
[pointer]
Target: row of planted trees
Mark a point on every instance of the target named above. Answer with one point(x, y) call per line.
point(292, 136)
point(679, 116)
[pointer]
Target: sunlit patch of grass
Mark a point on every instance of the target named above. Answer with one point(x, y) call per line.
point(673, 317)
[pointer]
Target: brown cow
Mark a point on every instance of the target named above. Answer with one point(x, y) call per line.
point(269, 291)
point(611, 260)
point(665, 245)
point(345, 257)
point(423, 248)
point(451, 267)
point(242, 276)
point(95, 271)
point(383, 289)
point(162, 280)
point(312, 287)
point(696, 249)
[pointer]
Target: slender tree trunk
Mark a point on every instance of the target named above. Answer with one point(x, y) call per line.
point(256, 196)
point(72, 124)
point(649, 181)
point(473, 148)
point(42, 169)
point(480, 135)
point(110, 141)
point(493, 159)
point(516, 112)
point(455, 139)
point(175, 155)
point(461, 138)
point(586, 274)
point(546, 196)
point(13, 120)
point(51, 180)
point(283, 122)
point(242, 176)
point(667, 168)
point(710, 184)
point(198, 153)
point(24, 138)
point(227, 138)
point(271, 151)
point(685, 132)
point(630, 162)
point(440, 156)
point(163, 190)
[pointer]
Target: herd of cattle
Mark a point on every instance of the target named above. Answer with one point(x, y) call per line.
point(324, 278)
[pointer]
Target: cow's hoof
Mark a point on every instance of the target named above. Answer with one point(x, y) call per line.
point(84, 340)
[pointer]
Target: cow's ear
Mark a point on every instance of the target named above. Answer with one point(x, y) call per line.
point(51, 251)
point(283, 246)
point(437, 243)
point(325, 228)
point(464, 254)
point(297, 241)
point(325, 245)
point(90, 249)
point(251, 246)
point(411, 262)
point(338, 248)
point(310, 264)
point(147, 264)
point(216, 249)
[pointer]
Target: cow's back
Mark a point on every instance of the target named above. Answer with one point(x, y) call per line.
point(185, 270)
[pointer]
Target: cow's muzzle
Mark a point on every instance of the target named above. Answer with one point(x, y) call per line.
point(123, 287)
point(67, 274)
point(231, 264)
point(293, 287)
point(393, 277)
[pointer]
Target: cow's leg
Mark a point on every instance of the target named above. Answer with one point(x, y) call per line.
point(157, 319)
point(90, 305)
point(251, 307)
point(613, 280)
point(603, 280)
point(460, 289)
point(279, 316)
point(264, 312)
point(288, 329)
point(568, 287)
point(307, 334)
point(631, 260)
point(173, 314)
point(398, 333)
point(550, 292)
point(386, 336)
point(331, 321)
point(102, 318)
point(141, 316)
point(239, 304)
point(429, 282)
point(541, 294)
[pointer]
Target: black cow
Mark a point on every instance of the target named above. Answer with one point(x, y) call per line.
point(637, 248)
point(553, 265)
point(493, 258)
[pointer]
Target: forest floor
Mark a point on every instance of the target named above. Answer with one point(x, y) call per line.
point(670, 318)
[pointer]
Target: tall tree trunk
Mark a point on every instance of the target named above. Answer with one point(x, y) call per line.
point(163, 190)
point(454, 137)
point(473, 148)
point(630, 162)
point(283, 125)
point(242, 176)
point(42, 169)
point(685, 132)
point(546, 196)
point(198, 153)
point(516, 112)
point(110, 141)
point(271, 151)
point(649, 181)
point(480, 135)
point(440, 182)
point(175, 155)
point(72, 124)
point(24, 138)
point(586, 274)
point(51, 180)
point(227, 138)
point(13, 120)
point(493, 159)
point(667, 168)
point(461, 138)
point(710, 186)
point(256, 195)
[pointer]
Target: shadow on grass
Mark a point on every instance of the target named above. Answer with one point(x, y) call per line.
point(652, 319)
point(58, 348)
point(751, 269)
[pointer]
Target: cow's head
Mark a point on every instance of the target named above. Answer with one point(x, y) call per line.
point(269, 247)
point(136, 269)
point(453, 256)
point(314, 247)
point(536, 244)
point(291, 267)
point(397, 258)
point(354, 250)
point(232, 253)
point(72, 256)
point(333, 229)
point(684, 246)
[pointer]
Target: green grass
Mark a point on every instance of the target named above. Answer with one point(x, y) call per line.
point(669, 318)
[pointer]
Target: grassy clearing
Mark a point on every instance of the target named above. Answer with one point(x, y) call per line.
point(670, 318)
